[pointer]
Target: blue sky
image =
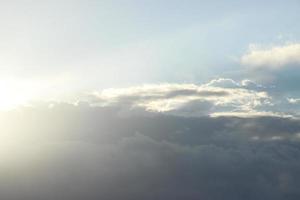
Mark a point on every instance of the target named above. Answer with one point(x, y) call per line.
point(54, 48)
point(195, 38)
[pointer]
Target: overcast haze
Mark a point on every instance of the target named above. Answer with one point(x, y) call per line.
point(139, 99)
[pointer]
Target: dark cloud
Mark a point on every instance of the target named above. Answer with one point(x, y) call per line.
point(82, 152)
point(181, 92)
point(191, 92)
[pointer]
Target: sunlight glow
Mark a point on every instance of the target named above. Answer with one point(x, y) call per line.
point(14, 93)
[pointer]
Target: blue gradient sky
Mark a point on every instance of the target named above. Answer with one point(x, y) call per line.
point(76, 46)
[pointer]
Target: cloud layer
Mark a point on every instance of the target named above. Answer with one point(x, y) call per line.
point(219, 140)
point(82, 152)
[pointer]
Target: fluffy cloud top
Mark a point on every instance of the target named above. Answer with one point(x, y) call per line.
point(275, 57)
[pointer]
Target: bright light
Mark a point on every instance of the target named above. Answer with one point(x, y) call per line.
point(14, 93)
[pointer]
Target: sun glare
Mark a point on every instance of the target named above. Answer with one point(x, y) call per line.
point(14, 93)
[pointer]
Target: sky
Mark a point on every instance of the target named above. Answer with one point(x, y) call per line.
point(149, 99)
point(56, 49)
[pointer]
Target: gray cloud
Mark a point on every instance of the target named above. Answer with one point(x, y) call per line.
point(83, 152)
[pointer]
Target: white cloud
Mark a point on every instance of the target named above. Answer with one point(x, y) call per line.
point(293, 100)
point(252, 114)
point(275, 57)
point(223, 82)
point(176, 97)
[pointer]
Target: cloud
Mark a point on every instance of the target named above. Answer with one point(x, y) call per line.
point(217, 140)
point(173, 98)
point(251, 114)
point(81, 152)
point(273, 58)
point(223, 82)
point(293, 100)
point(275, 66)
